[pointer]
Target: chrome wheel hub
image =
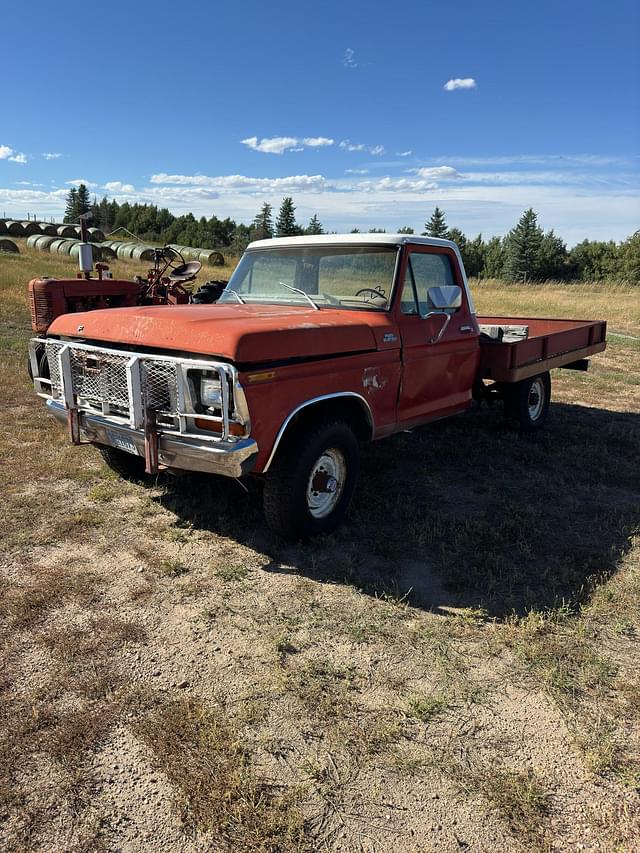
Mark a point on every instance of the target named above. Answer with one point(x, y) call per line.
point(535, 401)
point(326, 482)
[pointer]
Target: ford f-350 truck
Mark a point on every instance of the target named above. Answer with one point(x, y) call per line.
point(316, 345)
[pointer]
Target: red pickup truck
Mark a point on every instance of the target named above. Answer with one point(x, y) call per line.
point(316, 345)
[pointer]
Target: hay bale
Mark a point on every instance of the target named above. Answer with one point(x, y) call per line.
point(47, 229)
point(106, 253)
point(66, 231)
point(43, 243)
point(15, 229)
point(214, 259)
point(30, 228)
point(65, 246)
point(31, 241)
point(96, 253)
point(3, 226)
point(96, 235)
point(143, 253)
point(8, 246)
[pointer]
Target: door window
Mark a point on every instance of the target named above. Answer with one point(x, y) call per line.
point(424, 270)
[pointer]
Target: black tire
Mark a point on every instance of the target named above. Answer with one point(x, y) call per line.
point(126, 465)
point(293, 509)
point(527, 402)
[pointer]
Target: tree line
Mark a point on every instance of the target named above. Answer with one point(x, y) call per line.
point(526, 253)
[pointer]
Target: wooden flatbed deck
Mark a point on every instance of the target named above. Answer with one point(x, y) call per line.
point(549, 343)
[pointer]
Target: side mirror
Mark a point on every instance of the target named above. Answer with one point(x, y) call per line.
point(445, 298)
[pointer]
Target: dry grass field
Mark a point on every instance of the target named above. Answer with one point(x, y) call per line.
point(457, 668)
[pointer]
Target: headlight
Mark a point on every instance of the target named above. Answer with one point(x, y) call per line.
point(210, 392)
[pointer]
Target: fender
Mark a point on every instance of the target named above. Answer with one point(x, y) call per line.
point(365, 405)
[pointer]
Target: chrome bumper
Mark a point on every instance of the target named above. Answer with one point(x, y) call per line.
point(229, 458)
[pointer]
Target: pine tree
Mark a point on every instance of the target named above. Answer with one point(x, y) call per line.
point(406, 229)
point(522, 246)
point(263, 223)
point(437, 225)
point(71, 207)
point(314, 226)
point(286, 221)
point(83, 200)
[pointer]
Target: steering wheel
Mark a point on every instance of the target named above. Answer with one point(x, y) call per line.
point(377, 294)
point(171, 256)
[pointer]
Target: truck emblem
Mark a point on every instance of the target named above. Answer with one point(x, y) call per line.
point(81, 328)
point(389, 338)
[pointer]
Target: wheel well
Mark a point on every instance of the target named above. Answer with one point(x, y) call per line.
point(350, 409)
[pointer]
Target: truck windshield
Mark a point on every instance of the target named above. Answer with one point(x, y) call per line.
point(358, 278)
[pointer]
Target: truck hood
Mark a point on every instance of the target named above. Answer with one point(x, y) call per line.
point(244, 334)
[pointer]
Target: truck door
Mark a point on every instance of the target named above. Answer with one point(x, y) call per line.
point(438, 366)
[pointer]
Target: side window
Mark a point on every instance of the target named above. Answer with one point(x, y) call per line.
point(424, 270)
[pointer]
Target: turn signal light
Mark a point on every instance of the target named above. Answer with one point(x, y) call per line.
point(216, 426)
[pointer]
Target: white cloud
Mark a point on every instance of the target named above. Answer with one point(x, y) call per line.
point(118, 187)
point(7, 153)
point(460, 83)
point(77, 181)
point(280, 144)
point(317, 141)
point(356, 171)
point(403, 153)
point(274, 145)
point(244, 184)
point(27, 184)
point(347, 145)
point(348, 60)
point(51, 156)
point(434, 173)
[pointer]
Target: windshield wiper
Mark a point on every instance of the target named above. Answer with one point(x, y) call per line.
point(237, 295)
point(301, 292)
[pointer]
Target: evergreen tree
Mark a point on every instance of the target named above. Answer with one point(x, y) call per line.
point(493, 258)
point(286, 222)
point(314, 226)
point(522, 247)
point(83, 200)
point(377, 230)
point(437, 225)
point(71, 207)
point(474, 260)
point(406, 229)
point(553, 257)
point(263, 223)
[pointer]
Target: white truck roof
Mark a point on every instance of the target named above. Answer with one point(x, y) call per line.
point(349, 240)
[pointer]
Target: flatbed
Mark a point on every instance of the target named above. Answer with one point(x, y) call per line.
point(549, 343)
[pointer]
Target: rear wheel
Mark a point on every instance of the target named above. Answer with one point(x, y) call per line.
point(527, 401)
point(310, 485)
point(126, 465)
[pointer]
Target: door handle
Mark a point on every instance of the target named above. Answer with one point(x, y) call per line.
point(466, 328)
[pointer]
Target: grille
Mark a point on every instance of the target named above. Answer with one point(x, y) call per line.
point(100, 379)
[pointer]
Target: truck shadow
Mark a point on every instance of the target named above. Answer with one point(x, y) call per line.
point(462, 514)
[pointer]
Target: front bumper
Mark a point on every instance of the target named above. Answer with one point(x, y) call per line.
point(230, 458)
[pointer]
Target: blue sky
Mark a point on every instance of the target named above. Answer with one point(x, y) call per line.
point(368, 115)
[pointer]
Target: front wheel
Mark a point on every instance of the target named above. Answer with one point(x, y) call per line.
point(310, 485)
point(527, 401)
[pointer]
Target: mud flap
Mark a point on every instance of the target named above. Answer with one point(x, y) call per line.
point(150, 443)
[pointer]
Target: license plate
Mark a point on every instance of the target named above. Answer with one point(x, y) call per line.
point(120, 441)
